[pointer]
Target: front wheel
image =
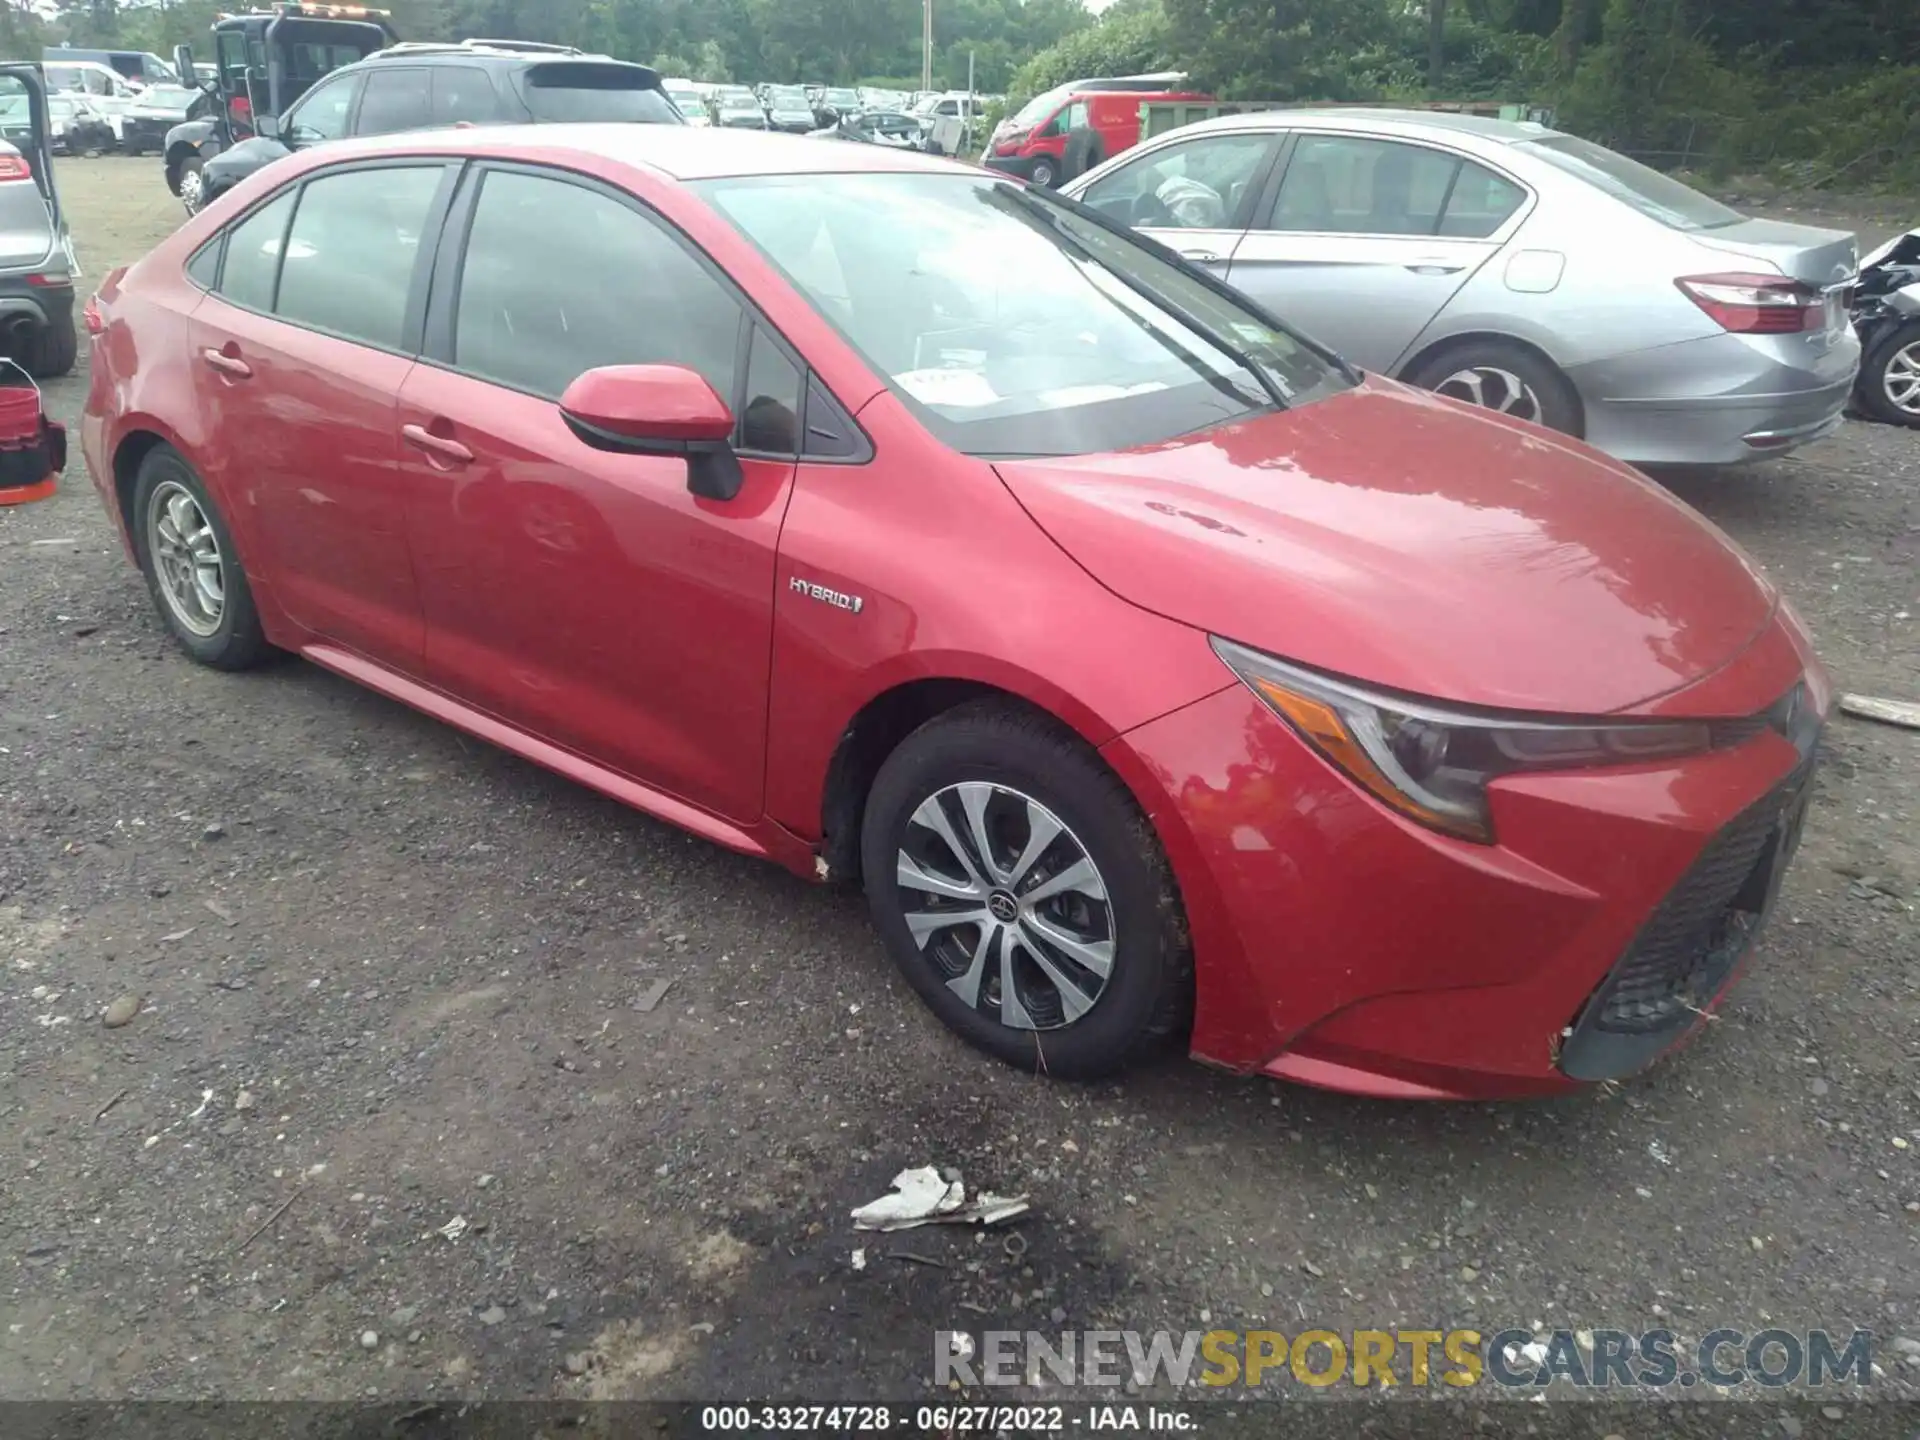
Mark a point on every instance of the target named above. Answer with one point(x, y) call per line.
point(1889, 384)
point(193, 184)
point(1024, 895)
point(1507, 378)
point(1044, 174)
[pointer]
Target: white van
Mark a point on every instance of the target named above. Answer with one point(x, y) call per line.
point(107, 88)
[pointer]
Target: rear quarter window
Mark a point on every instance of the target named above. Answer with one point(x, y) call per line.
point(569, 91)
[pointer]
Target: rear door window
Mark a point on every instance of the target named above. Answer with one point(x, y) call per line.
point(1354, 186)
point(573, 90)
point(463, 93)
point(253, 255)
point(353, 249)
point(1480, 204)
point(395, 100)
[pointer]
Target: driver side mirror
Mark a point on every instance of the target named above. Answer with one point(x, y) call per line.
point(658, 410)
point(267, 127)
point(183, 65)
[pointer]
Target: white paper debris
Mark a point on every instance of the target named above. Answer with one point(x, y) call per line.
point(860, 1259)
point(923, 1197)
point(454, 1228)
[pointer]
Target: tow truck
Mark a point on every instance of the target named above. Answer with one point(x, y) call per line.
point(264, 60)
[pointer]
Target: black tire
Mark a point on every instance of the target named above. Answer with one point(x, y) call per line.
point(1555, 403)
point(1871, 389)
point(237, 642)
point(1044, 176)
point(1148, 994)
point(52, 350)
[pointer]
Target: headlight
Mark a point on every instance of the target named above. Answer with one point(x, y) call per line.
point(1434, 764)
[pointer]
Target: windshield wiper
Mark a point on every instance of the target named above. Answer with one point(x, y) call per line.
point(1241, 357)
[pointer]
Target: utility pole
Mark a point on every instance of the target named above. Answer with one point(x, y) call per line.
point(926, 44)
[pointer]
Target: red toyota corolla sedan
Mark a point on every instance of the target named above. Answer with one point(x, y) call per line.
point(1158, 674)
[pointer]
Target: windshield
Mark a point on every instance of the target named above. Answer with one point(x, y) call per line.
point(1011, 324)
point(1038, 108)
point(842, 99)
point(787, 97)
point(1658, 197)
point(169, 97)
point(563, 92)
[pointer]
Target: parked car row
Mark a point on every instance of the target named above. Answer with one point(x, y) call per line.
point(1164, 677)
point(940, 122)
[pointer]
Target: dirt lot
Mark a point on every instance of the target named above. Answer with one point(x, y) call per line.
point(389, 979)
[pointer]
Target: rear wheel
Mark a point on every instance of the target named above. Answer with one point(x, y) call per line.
point(1500, 376)
point(52, 349)
point(1023, 894)
point(192, 567)
point(1889, 385)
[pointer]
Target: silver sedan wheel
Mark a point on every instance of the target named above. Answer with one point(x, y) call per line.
point(1492, 388)
point(1005, 903)
point(1901, 379)
point(186, 559)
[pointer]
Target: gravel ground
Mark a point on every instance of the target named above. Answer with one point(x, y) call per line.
point(389, 977)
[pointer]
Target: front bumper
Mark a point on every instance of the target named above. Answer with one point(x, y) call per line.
point(1019, 166)
point(1339, 945)
point(139, 133)
point(1719, 400)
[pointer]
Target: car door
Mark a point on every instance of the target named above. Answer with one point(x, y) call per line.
point(394, 100)
point(303, 347)
point(1354, 244)
point(585, 597)
point(1193, 195)
point(32, 226)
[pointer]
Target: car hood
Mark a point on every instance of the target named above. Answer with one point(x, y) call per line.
point(247, 156)
point(1391, 536)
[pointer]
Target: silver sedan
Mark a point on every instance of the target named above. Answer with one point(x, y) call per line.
point(1515, 267)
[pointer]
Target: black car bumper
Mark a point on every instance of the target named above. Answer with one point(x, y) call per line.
point(141, 134)
point(1017, 165)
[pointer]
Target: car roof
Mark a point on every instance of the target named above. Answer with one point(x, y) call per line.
point(678, 152)
point(1381, 120)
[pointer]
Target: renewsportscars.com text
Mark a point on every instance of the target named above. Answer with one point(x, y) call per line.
point(1377, 1359)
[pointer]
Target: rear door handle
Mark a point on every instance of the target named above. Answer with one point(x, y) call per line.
point(227, 364)
point(1200, 257)
point(422, 438)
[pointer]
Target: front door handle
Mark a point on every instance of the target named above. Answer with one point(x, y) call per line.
point(1435, 267)
point(228, 362)
point(1200, 257)
point(424, 439)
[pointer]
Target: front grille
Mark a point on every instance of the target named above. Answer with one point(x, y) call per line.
point(1682, 955)
point(1690, 944)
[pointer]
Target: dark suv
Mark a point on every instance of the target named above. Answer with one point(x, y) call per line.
point(415, 86)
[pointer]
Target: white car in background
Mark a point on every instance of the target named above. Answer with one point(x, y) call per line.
point(688, 100)
point(106, 89)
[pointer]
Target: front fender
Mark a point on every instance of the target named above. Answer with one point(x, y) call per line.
point(241, 162)
point(193, 134)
